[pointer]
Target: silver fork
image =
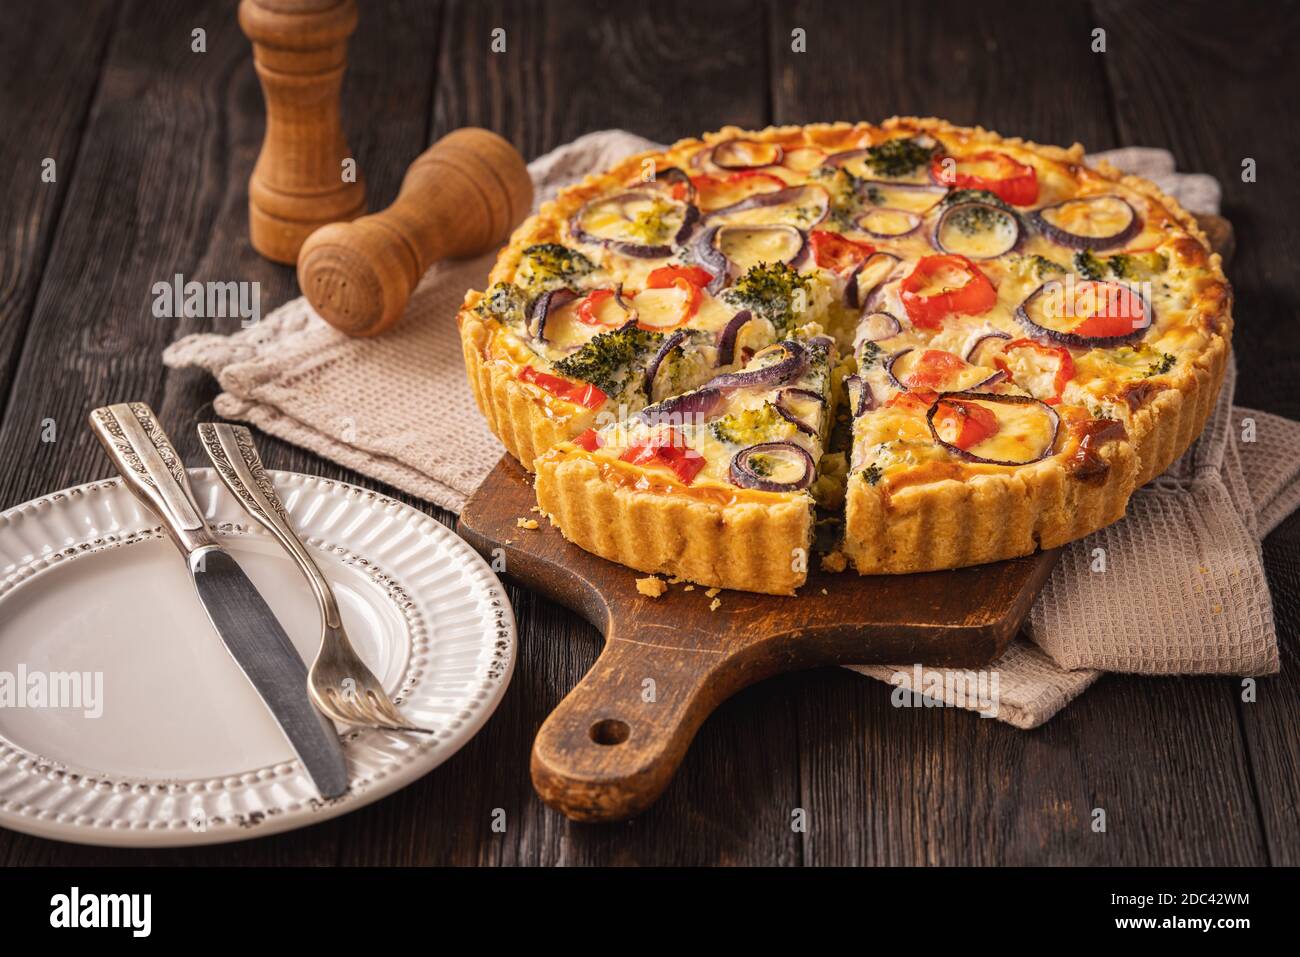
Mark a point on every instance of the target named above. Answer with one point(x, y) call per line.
point(339, 682)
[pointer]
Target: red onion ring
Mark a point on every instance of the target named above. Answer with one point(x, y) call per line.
point(889, 369)
point(854, 298)
point(690, 214)
point(542, 308)
point(710, 257)
point(1078, 241)
point(741, 474)
point(667, 346)
point(866, 399)
point(936, 235)
point(992, 397)
point(778, 373)
point(793, 234)
point(790, 196)
point(914, 219)
point(969, 354)
point(727, 338)
point(1083, 342)
point(876, 327)
point(686, 409)
point(788, 414)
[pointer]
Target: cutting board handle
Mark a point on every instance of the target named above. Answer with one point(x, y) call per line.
point(613, 744)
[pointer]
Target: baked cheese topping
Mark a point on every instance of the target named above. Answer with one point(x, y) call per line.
point(986, 299)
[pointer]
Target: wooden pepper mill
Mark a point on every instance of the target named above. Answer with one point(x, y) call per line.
point(300, 50)
point(461, 197)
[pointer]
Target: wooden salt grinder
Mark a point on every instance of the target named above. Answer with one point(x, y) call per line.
point(461, 197)
point(300, 50)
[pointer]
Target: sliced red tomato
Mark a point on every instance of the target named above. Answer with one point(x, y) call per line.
point(588, 440)
point(1064, 364)
point(589, 310)
point(714, 192)
point(942, 286)
point(836, 253)
point(1011, 181)
point(964, 424)
point(912, 401)
point(664, 276)
point(667, 449)
point(1109, 309)
point(579, 393)
point(934, 368)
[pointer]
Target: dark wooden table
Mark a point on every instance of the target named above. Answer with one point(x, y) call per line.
point(153, 144)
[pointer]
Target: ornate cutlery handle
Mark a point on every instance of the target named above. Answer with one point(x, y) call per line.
point(155, 474)
point(231, 449)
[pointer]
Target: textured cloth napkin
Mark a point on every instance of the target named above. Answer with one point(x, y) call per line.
point(1176, 587)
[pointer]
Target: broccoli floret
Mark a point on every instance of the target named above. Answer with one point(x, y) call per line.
point(548, 266)
point(974, 219)
point(958, 196)
point(607, 359)
point(1137, 266)
point(506, 302)
point(750, 426)
point(686, 365)
point(848, 193)
point(652, 225)
point(869, 354)
point(1087, 265)
point(1044, 267)
point(1132, 266)
point(1160, 366)
point(898, 157)
point(771, 292)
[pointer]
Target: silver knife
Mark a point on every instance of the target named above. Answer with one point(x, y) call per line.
point(154, 473)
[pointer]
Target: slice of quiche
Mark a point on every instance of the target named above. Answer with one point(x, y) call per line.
point(1028, 340)
point(712, 484)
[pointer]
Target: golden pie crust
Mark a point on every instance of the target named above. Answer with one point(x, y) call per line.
point(760, 541)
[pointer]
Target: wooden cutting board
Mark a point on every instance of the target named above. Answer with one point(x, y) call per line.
point(612, 745)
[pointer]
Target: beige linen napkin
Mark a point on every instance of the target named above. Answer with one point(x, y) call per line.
point(1182, 590)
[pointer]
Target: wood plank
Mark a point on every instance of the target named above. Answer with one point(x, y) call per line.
point(999, 64)
point(904, 786)
point(575, 67)
point(1215, 97)
point(55, 103)
point(162, 188)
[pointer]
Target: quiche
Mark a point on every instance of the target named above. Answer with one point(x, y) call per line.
point(925, 346)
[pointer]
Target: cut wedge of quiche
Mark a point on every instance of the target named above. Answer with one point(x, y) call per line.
point(710, 484)
point(972, 346)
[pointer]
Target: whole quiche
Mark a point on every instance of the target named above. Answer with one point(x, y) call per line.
point(925, 344)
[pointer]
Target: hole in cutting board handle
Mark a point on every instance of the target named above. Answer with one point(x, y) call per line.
point(609, 731)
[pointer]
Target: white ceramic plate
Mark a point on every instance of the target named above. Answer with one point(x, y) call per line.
point(183, 751)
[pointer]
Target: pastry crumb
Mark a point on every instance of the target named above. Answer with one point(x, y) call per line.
point(651, 586)
point(825, 592)
point(528, 523)
point(715, 604)
point(712, 591)
point(689, 588)
point(834, 562)
point(537, 509)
